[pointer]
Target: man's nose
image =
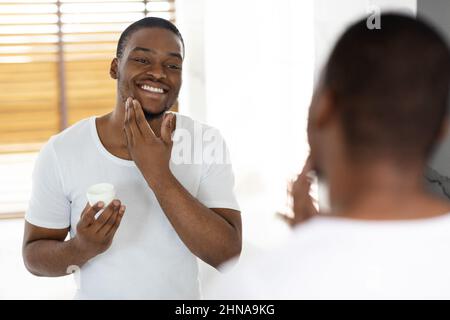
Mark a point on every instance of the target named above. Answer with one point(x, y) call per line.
point(156, 72)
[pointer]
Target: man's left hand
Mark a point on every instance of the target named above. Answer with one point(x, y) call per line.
point(150, 153)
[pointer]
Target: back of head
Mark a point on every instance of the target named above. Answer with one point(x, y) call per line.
point(390, 86)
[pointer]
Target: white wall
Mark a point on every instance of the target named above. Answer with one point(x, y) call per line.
point(190, 21)
point(248, 71)
point(259, 59)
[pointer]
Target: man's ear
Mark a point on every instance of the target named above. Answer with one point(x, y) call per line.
point(113, 70)
point(325, 108)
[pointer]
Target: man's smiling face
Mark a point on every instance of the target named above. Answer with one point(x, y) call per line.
point(150, 69)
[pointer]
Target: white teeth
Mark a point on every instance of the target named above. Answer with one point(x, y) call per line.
point(152, 89)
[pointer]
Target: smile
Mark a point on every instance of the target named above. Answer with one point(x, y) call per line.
point(152, 89)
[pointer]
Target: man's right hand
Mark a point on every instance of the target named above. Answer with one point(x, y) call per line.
point(303, 204)
point(94, 236)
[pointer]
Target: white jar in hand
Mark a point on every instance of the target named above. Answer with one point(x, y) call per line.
point(101, 192)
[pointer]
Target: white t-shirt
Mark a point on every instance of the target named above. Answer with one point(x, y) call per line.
point(340, 258)
point(147, 259)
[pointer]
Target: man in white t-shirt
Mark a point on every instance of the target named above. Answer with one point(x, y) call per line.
point(378, 111)
point(172, 177)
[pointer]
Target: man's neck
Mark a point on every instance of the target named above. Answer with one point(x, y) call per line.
point(115, 122)
point(382, 192)
point(112, 136)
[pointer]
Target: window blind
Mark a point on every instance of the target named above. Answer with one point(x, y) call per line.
point(54, 62)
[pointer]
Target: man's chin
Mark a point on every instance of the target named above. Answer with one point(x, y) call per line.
point(150, 114)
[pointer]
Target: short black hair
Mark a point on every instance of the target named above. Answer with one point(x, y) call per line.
point(391, 86)
point(148, 22)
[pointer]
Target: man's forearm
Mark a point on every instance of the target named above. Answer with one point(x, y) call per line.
point(52, 258)
point(208, 235)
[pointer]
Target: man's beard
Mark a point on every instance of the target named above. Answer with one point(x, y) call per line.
point(154, 115)
point(124, 89)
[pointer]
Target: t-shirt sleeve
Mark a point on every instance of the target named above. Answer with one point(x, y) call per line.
point(216, 189)
point(48, 207)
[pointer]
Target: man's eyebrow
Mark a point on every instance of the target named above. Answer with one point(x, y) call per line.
point(143, 49)
point(173, 54)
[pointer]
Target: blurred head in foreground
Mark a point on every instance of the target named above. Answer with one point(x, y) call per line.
point(379, 108)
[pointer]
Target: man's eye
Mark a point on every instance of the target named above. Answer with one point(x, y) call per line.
point(174, 66)
point(141, 60)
